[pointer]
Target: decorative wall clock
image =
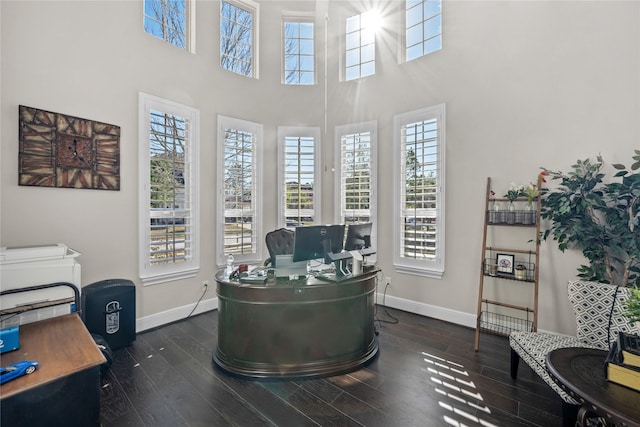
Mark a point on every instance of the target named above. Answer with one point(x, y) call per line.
point(57, 150)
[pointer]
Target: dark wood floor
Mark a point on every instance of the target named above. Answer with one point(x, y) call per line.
point(426, 374)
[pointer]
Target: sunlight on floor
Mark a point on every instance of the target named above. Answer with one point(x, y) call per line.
point(453, 383)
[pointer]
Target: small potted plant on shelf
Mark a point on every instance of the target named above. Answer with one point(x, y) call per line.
point(513, 193)
point(600, 215)
point(531, 192)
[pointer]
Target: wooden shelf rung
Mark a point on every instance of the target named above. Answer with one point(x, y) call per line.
point(518, 251)
point(504, 304)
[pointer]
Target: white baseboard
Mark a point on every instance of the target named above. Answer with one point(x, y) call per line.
point(179, 313)
point(440, 313)
point(448, 315)
point(175, 314)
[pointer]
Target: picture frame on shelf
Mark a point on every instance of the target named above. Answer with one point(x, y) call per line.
point(505, 263)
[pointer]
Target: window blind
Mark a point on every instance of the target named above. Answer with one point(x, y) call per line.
point(419, 190)
point(170, 209)
point(299, 180)
point(239, 192)
point(355, 175)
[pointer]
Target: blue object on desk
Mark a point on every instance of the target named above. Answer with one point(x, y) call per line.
point(9, 339)
point(17, 369)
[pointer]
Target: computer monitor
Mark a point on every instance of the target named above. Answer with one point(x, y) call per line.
point(358, 236)
point(317, 241)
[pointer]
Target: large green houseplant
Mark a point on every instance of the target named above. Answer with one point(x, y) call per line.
point(600, 215)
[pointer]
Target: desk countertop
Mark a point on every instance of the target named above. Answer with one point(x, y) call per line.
point(305, 281)
point(61, 345)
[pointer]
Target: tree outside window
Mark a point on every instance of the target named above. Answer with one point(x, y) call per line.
point(236, 38)
point(167, 20)
point(299, 53)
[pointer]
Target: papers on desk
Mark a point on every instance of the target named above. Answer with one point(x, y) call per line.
point(251, 279)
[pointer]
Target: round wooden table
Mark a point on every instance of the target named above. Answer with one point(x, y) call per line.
point(581, 373)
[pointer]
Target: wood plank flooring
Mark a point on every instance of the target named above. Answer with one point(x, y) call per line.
point(426, 374)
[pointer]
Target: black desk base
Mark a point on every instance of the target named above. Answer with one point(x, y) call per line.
point(306, 328)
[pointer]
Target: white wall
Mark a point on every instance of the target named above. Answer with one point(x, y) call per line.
point(527, 84)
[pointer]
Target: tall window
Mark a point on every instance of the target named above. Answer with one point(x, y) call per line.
point(238, 29)
point(356, 182)
point(360, 45)
point(299, 176)
point(423, 32)
point(419, 197)
point(169, 224)
point(299, 52)
point(171, 21)
point(240, 189)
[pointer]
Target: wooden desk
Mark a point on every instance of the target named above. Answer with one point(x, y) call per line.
point(302, 328)
point(65, 390)
point(580, 372)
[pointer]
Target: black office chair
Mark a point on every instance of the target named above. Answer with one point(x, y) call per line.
point(279, 242)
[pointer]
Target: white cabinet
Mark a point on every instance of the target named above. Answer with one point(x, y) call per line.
point(25, 266)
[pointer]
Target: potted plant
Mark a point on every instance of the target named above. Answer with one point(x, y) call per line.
point(531, 192)
point(600, 215)
point(632, 305)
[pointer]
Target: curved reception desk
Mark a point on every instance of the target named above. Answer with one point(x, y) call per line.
point(302, 328)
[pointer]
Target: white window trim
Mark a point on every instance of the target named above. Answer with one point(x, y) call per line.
point(297, 131)
point(299, 17)
point(427, 268)
point(255, 129)
point(349, 129)
point(191, 30)
point(159, 274)
point(255, 9)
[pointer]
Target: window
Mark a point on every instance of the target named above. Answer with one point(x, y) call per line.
point(360, 46)
point(356, 178)
point(238, 29)
point(299, 52)
point(419, 197)
point(423, 27)
point(171, 21)
point(240, 189)
point(298, 176)
point(169, 224)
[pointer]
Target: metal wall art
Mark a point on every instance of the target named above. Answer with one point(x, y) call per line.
point(57, 150)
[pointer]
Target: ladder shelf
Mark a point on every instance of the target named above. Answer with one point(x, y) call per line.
point(503, 266)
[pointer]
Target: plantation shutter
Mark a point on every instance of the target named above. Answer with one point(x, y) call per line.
point(355, 174)
point(171, 207)
point(419, 187)
point(299, 180)
point(240, 192)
